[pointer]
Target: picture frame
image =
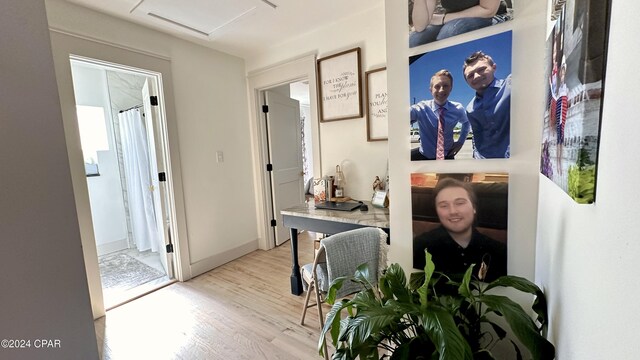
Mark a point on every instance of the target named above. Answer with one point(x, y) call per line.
point(380, 199)
point(576, 66)
point(487, 216)
point(422, 32)
point(339, 81)
point(466, 142)
point(376, 95)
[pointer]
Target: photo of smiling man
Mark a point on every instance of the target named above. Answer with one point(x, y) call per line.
point(485, 95)
point(490, 109)
point(437, 119)
point(448, 223)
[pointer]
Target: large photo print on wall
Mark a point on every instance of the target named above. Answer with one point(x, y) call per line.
point(460, 100)
point(461, 219)
point(576, 52)
point(433, 20)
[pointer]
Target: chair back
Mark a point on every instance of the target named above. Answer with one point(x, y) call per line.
point(347, 250)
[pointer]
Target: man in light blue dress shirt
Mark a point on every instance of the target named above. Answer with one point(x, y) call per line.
point(426, 114)
point(489, 111)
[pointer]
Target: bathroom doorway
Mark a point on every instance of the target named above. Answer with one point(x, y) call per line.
point(120, 126)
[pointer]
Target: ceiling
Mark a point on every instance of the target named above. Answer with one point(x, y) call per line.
point(238, 27)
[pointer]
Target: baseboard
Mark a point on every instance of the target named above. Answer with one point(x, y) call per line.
point(112, 246)
point(214, 261)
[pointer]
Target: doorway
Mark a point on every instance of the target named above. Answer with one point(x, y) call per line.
point(288, 149)
point(119, 123)
point(296, 70)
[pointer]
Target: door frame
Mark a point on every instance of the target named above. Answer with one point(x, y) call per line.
point(303, 68)
point(159, 140)
point(64, 45)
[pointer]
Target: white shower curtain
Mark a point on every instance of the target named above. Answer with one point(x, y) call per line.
point(138, 177)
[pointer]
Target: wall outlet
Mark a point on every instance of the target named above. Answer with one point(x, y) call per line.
point(219, 156)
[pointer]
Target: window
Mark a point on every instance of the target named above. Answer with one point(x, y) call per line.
point(93, 136)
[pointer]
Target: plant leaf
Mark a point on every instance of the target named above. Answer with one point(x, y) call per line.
point(332, 323)
point(335, 285)
point(416, 280)
point(521, 325)
point(395, 284)
point(463, 289)
point(362, 275)
point(429, 268)
point(445, 335)
point(502, 333)
point(524, 285)
point(518, 353)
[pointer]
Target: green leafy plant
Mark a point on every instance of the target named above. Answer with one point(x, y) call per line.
point(432, 317)
point(582, 179)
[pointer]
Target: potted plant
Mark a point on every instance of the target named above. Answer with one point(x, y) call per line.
point(433, 317)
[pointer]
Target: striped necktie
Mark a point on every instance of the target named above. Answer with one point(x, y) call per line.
point(440, 143)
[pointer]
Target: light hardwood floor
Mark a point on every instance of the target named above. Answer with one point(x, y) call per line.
point(241, 310)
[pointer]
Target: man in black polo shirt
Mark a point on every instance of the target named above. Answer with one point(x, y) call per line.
point(457, 244)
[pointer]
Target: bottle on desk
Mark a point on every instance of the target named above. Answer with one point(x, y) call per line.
point(340, 182)
point(329, 187)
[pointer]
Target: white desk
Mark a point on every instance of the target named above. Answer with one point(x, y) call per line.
point(307, 217)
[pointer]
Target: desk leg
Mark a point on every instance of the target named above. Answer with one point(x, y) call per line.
point(296, 281)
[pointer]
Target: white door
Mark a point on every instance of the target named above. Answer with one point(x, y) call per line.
point(151, 114)
point(285, 149)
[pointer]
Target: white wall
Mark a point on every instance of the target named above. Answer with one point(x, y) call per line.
point(343, 142)
point(105, 191)
point(43, 288)
point(205, 95)
point(587, 255)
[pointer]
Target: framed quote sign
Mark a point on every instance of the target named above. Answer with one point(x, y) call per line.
point(376, 95)
point(339, 86)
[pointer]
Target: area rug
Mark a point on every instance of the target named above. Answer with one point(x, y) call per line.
point(122, 272)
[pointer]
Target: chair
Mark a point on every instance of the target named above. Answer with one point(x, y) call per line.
point(340, 255)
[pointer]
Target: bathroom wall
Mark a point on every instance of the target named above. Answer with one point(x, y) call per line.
point(105, 191)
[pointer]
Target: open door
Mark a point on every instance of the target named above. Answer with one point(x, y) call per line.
point(158, 188)
point(284, 135)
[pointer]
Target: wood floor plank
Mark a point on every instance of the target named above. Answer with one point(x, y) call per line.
point(241, 310)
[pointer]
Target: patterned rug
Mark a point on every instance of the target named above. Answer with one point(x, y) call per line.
point(122, 272)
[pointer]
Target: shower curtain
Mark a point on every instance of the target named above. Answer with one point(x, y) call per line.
point(138, 177)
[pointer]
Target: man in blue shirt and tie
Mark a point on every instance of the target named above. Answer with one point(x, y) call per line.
point(489, 112)
point(436, 120)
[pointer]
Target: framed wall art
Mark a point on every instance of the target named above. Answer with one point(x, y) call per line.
point(376, 95)
point(452, 18)
point(476, 114)
point(575, 69)
point(481, 204)
point(339, 82)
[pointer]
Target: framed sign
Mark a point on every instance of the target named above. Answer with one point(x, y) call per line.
point(339, 86)
point(380, 199)
point(376, 95)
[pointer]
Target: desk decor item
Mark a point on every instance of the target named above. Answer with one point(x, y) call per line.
point(319, 189)
point(339, 86)
point(340, 182)
point(380, 199)
point(376, 95)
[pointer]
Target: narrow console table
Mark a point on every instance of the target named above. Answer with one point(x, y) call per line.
point(307, 217)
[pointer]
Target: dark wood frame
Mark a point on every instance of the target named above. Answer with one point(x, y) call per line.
point(357, 68)
point(368, 102)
